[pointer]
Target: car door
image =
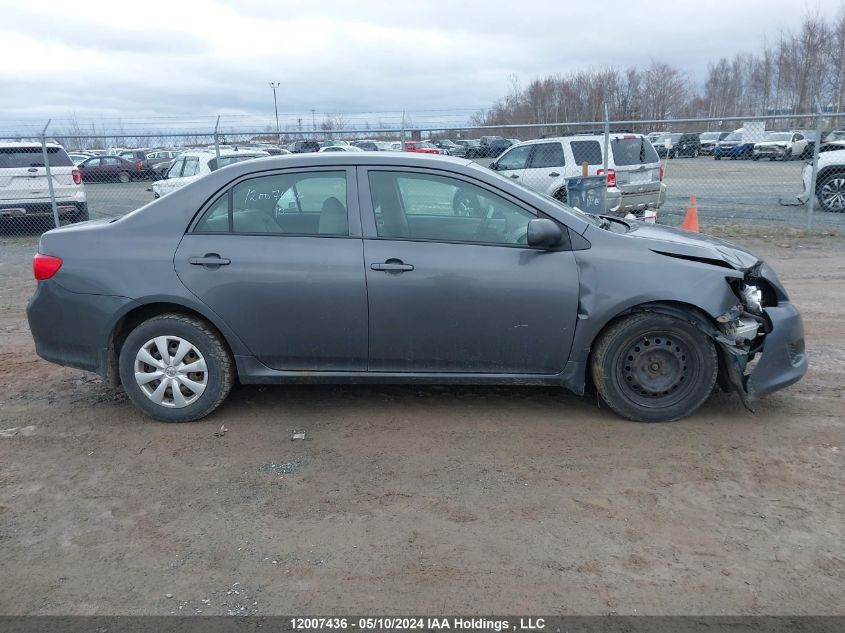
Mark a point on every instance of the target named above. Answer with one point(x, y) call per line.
point(546, 166)
point(90, 169)
point(513, 163)
point(454, 293)
point(279, 259)
point(109, 168)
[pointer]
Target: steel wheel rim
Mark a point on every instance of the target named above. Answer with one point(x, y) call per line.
point(657, 369)
point(833, 193)
point(171, 371)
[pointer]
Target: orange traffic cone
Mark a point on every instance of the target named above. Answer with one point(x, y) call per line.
point(691, 218)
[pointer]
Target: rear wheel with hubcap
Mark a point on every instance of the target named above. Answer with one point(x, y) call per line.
point(124, 176)
point(654, 368)
point(175, 368)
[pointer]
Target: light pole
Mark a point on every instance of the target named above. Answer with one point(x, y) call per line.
point(275, 85)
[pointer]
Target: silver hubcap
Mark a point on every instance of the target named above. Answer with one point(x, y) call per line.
point(171, 371)
point(833, 194)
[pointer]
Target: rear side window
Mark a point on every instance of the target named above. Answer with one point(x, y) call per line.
point(216, 218)
point(15, 157)
point(632, 151)
point(586, 152)
point(547, 155)
point(295, 204)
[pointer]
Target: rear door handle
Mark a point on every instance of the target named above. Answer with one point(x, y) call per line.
point(212, 260)
point(554, 174)
point(392, 266)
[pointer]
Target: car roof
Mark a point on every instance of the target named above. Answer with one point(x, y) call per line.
point(25, 144)
point(585, 137)
point(210, 153)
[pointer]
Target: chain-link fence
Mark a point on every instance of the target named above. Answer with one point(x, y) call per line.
point(778, 170)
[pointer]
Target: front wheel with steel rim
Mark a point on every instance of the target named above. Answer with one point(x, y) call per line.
point(175, 368)
point(651, 367)
point(831, 192)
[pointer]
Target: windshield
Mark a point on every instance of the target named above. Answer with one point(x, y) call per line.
point(427, 145)
point(734, 136)
point(709, 136)
point(633, 151)
point(778, 136)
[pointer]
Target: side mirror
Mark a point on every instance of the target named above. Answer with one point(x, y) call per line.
point(494, 166)
point(543, 233)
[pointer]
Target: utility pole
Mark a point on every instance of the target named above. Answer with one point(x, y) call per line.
point(275, 85)
point(313, 123)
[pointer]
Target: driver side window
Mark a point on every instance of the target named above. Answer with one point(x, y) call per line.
point(438, 208)
point(517, 158)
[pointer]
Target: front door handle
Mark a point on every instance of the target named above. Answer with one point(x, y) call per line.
point(392, 266)
point(514, 176)
point(211, 260)
point(554, 174)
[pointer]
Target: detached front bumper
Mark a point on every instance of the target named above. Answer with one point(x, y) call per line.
point(783, 360)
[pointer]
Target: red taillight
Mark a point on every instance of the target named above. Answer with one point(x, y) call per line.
point(77, 176)
point(611, 176)
point(661, 172)
point(45, 266)
point(139, 165)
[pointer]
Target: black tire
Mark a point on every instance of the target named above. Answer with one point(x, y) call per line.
point(787, 155)
point(715, 157)
point(695, 153)
point(219, 373)
point(81, 215)
point(830, 192)
point(650, 367)
point(124, 177)
point(561, 195)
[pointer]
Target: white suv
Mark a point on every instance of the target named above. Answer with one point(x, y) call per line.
point(25, 190)
point(190, 166)
point(634, 178)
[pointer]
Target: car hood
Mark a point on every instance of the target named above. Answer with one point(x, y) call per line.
point(672, 242)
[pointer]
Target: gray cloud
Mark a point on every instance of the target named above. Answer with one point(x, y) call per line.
point(186, 59)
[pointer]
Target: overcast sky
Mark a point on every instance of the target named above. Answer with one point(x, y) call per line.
point(189, 59)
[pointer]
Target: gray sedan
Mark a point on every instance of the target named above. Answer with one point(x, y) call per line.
point(379, 267)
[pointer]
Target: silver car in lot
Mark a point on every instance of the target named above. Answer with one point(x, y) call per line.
point(634, 170)
point(358, 267)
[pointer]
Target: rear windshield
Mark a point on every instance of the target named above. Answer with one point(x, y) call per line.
point(11, 157)
point(633, 151)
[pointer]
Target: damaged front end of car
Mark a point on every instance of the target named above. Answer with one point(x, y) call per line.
point(761, 336)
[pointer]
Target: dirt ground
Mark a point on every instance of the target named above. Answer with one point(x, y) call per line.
point(425, 500)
